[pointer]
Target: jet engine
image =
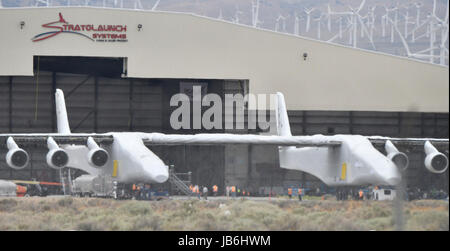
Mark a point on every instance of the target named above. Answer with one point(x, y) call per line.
point(435, 161)
point(400, 159)
point(97, 157)
point(16, 157)
point(57, 158)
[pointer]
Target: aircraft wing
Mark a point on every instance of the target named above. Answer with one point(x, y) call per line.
point(223, 139)
point(41, 138)
point(380, 140)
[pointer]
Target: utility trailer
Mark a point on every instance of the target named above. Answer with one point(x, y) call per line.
point(100, 186)
point(7, 189)
point(384, 193)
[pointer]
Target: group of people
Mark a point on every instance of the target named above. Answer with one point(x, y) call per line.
point(141, 191)
point(299, 193)
point(203, 191)
point(233, 191)
point(355, 194)
point(230, 191)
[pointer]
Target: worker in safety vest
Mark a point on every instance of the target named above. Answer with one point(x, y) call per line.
point(300, 193)
point(197, 191)
point(233, 191)
point(191, 188)
point(290, 193)
point(361, 195)
point(215, 190)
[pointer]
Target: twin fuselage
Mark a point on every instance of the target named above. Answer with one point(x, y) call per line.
point(354, 162)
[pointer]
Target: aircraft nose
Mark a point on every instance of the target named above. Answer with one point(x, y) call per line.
point(161, 178)
point(391, 174)
point(158, 173)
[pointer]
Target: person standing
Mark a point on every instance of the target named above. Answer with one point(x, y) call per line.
point(227, 190)
point(290, 193)
point(300, 194)
point(205, 193)
point(215, 190)
point(197, 191)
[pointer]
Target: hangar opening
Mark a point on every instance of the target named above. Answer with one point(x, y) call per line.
point(99, 66)
point(100, 98)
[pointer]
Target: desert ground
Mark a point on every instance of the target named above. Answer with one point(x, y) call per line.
point(67, 213)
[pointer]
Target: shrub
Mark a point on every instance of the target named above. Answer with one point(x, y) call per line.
point(7, 205)
point(65, 202)
point(138, 208)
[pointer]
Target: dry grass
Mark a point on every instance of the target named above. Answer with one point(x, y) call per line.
point(104, 214)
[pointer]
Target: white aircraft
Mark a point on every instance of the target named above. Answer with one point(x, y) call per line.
point(340, 160)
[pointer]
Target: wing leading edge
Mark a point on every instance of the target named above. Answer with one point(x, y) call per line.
point(223, 139)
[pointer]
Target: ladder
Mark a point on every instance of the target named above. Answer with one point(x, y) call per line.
point(66, 181)
point(179, 184)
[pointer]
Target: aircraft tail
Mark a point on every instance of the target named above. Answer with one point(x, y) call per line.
point(61, 113)
point(283, 127)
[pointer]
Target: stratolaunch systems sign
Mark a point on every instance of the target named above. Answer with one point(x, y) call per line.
point(97, 33)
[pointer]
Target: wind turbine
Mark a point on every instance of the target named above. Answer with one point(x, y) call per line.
point(255, 13)
point(372, 18)
point(340, 26)
point(329, 18)
point(341, 31)
point(417, 55)
point(319, 22)
point(138, 5)
point(356, 18)
point(441, 25)
point(155, 5)
point(46, 3)
point(308, 18)
point(236, 14)
point(383, 25)
point(281, 19)
point(407, 21)
point(297, 25)
point(395, 22)
point(418, 6)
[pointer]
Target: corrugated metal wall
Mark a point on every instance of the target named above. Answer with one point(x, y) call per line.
point(97, 104)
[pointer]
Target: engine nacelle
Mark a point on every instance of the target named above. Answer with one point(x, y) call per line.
point(57, 158)
point(16, 158)
point(400, 159)
point(435, 161)
point(97, 157)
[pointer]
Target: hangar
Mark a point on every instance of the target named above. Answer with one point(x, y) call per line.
point(119, 69)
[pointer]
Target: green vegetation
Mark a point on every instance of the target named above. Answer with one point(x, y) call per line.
point(105, 214)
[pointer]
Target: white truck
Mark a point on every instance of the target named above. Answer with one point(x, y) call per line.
point(384, 193)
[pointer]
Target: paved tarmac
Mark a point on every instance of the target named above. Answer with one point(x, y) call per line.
point(220, 198)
